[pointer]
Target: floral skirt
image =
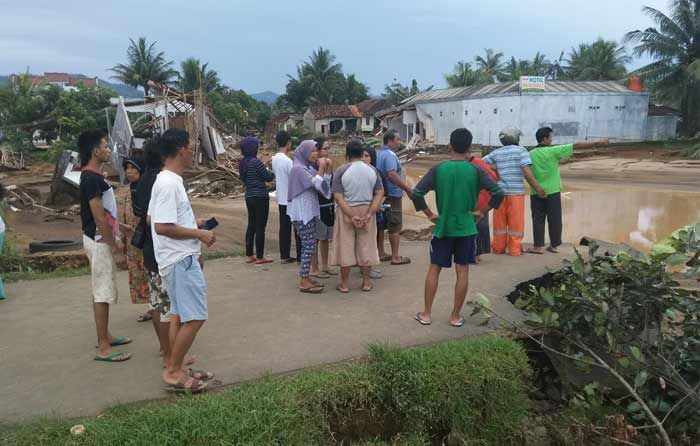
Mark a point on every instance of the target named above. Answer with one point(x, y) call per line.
point(138, 276)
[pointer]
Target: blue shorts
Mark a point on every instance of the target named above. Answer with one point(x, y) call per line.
point(462, 249)
point(187, 290)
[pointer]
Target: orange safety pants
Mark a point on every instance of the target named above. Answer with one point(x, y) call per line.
point(509, 226)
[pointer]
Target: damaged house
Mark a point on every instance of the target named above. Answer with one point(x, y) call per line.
point(368, 109)
point(331, 119)
point(575, 110)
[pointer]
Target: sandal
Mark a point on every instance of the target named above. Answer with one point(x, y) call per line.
point(200, 374)
point(532, 251)
point(317, 283)
point(329, 272)
point(402, 261)
point(263, 261)
point(196, 386)
point(114, 357)
point(385, 258)
point(320, 275)
point(312, 290)
point(421, 320)
point(145, 317)
point(341, 290)
point(119, 340)
point(368, 289)
point(459, 323)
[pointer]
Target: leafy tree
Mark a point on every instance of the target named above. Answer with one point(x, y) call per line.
point(602, 60)
point(396, 92)
point(491, 64)
point(79, 110)
point(320, 80)
point(193, 74)
point(144, 63)
point(238, 111)
point(675, 74)
point(463, 75)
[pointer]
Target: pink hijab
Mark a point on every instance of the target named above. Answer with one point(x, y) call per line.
point(302, 173)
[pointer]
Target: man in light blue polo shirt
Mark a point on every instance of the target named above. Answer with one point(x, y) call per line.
point(389, 168)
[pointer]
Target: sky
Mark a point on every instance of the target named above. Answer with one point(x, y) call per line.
point(253, 45)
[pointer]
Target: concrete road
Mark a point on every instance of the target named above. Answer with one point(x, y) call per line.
point(259, 323)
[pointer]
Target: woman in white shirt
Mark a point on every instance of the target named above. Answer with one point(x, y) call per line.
point(303, 208)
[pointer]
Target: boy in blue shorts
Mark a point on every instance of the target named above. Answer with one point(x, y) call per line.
point(456, 183)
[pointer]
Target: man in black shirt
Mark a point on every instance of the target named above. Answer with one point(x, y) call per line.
point(98, 214)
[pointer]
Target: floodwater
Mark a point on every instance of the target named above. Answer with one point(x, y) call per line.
point(638, 216)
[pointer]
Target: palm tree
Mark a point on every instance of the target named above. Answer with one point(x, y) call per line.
point(193, 74)
point(144, 64)
point(356, 91)
point(675, 75)
point(491, 65)
point(601, 60)
point(463, 75)
point(323, 76)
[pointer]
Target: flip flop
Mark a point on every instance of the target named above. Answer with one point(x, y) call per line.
point(421, 320)
point(120, 340)
point(144, 317)
point(320, 275)
point(263, 261)
point(200, 374)
point(312, 290)
point(317, 283)
point(402, 261)
point(552, 250)
point(114, 357)
point(459, 323)
point(532, 251)
point(330, 273)
point(370, 288)
point(341, 290)
point(386, 258)
point(197, 386)
point(249, 261)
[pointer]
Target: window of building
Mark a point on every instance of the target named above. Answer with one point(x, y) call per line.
point(495, 111)
point(367, 120)
point(466, 112)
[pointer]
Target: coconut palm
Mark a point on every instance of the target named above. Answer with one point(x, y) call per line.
point(675, 44)
point(491, 64)
point(144, 64)
point(463, 75)
point(322, 76)
point(601, 60)
point(193, 74)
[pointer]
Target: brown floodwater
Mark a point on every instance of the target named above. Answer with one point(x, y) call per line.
point(638, 216)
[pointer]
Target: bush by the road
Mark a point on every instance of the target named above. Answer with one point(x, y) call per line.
point(475, 388)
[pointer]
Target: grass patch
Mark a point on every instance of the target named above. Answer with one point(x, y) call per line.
point(20, 269)
point(474, 388)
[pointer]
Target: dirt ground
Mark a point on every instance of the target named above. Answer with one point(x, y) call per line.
point(645, 166)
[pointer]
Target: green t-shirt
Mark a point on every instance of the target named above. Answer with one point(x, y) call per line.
point(545, 166)
point(456, 185)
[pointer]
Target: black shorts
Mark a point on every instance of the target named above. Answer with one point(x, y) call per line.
point(462, 249)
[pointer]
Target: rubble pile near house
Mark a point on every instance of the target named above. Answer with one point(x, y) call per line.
point(220, 181)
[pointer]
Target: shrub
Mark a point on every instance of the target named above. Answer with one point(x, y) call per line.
point(473, 387)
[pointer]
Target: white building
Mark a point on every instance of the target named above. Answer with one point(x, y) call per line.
point(575, 110)
point(331, 119)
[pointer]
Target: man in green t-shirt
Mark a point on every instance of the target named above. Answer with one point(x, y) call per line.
point(545, 168)
point(456, 183)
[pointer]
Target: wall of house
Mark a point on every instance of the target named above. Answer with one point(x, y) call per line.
point(309, 121)
point(367, 127)
point(660, 128)
point(397, 124)
point(574, 117)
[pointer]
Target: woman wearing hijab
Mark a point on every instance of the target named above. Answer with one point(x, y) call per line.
point(257, 199)
point(138, 279)
point(303, 208)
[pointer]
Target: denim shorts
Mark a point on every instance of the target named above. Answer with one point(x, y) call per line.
point(187, 290)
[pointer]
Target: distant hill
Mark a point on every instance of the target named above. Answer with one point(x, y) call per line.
point(268, 97)
point(4, 80)
point(122, 90)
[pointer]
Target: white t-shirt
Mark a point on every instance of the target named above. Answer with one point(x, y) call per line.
point(281, 166)
point(170, 204)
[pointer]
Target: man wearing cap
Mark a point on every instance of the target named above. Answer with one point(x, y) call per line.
point(512, 162)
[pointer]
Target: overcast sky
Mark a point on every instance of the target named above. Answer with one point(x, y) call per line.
point(254, 44)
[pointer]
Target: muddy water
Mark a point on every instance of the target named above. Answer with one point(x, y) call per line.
point(638, 216)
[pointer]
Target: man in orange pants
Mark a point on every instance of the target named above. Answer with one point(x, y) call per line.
point(512, 162)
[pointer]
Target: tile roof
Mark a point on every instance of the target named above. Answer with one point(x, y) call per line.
point(335, 111)
point(57, 77)
point(87, 81)
point(371, 106)
point(513, 88)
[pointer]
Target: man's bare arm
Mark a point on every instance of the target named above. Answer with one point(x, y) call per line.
point(527, 172)
point(98, 213)
point(590, 144)
point(397, 180)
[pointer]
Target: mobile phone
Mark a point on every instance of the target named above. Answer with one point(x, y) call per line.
point(210, 224)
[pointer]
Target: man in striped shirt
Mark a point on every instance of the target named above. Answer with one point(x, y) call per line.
point(512, 162)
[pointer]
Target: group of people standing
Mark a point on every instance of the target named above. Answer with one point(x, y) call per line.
point(352, 205)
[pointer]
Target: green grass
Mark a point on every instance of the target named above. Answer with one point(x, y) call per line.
point(28, 274)
point(474, 388)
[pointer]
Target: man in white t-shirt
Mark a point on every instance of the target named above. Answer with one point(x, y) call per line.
point(176, 243)
point(281, 165)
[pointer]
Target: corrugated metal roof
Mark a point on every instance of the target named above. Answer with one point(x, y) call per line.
point(513, 87)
